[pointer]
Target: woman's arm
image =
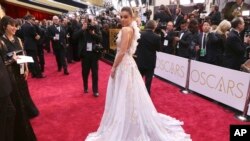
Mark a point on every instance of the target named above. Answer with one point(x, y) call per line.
point(126, 35)
point(26, 68)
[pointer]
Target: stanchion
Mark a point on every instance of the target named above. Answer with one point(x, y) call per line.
point(243, 116)
point(185, 90)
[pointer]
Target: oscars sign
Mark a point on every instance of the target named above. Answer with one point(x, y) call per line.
point(172, 68)
point(221, 84)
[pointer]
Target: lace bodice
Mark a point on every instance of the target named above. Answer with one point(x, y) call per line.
point(134, 42)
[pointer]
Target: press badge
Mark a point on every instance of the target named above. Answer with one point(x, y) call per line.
point(21, 68)
point(165, 43)
point(89, 47)
point(202, 52)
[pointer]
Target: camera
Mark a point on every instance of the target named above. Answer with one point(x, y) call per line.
point(98, 48)
point(10, 54)
point(176, 33)
point(90, 27)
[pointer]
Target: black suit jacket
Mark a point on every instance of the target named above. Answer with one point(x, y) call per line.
point(149, 43)
point(82, 37)
point(57, 44)
point(177, 22)
point(170, 38)
point(184, 44)
point(29, 34)
point(234, 51)
point(211, 48)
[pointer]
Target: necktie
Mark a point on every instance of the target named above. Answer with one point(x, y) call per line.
point(203, 46)
point(204, 42)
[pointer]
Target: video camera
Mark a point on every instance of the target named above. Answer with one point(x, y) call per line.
point(98, 48)
point(90, 27)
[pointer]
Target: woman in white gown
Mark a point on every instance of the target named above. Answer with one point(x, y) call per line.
point(129, 113)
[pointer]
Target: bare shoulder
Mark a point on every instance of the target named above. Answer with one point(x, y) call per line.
point(127, 30)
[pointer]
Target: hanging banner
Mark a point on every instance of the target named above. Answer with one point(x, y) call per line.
point(172, 68)
point(221, 84)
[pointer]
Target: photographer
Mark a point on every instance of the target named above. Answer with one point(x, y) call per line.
point(168, 42)
point(89, 51)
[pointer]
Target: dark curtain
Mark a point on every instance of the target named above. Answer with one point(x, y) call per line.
point(15, 11)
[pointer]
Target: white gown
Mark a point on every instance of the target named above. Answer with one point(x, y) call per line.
point(129, 113)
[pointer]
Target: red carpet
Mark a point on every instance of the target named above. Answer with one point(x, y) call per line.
point(67, 114)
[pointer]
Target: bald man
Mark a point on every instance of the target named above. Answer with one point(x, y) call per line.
point(57, 35)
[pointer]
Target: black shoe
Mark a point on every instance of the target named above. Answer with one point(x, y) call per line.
point(59, 69)
point(42, 68)
point(86, 91)
point(66, 72)
point(40, 76)
point(96, 94)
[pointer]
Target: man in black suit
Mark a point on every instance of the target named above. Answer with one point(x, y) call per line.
point(168, 42)
point(207, 51)
point(7, 109)
point(57, 35)
point(149, 43)
point(234, 46)
point(89, 38)
point(31, 37)
point(184, 41)
point(177, 19)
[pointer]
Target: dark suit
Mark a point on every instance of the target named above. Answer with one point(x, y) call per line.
point(234, 51)
point(89, 58)
point(183, 46)
point(58, 45)
point(171, 45)
point(149, 43)
point(211, 50)
point(30, 45)
point(40, 45)
point(7, 109)
point(177, 22)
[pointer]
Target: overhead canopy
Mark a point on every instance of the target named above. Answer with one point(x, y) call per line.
point(37, 7)
point(52, 4)
point(75, 3)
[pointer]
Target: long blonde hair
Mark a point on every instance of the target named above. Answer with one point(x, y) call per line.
point(223, 27)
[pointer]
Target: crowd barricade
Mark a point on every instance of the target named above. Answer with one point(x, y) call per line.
point(172, 68)
point(224, 85)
